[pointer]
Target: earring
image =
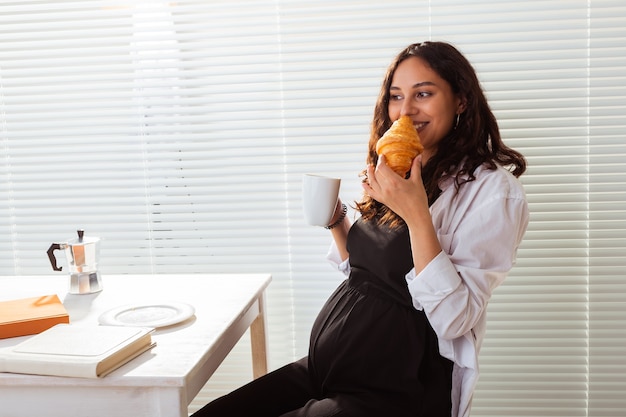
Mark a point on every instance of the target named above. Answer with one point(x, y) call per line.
point(458, 116)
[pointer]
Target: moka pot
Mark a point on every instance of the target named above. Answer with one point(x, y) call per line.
point(82, 256)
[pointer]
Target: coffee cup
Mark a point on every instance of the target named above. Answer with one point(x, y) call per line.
point(319, 198)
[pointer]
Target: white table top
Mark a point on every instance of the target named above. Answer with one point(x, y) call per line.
point(182, 350)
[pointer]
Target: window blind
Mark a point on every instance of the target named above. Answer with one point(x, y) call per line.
point(178, 133)
point(533, 64)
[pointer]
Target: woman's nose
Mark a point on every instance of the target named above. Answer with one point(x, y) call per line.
point(408, 108)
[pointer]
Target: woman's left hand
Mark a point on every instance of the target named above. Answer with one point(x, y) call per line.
point(408, 199)
point(401, 195)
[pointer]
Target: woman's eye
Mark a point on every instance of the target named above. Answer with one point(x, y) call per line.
point(423, 94)
point(395, 97)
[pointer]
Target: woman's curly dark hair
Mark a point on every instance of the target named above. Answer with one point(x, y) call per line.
point(475, 141)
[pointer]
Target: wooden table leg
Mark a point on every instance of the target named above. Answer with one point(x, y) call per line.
point(258, 341)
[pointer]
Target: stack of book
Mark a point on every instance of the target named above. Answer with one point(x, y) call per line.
point(62, 349)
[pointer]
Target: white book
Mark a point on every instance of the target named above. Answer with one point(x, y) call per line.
point(76, 351)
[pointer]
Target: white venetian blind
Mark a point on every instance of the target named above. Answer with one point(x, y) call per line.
point(533, 60)
point(178, 133)
point(607, 209)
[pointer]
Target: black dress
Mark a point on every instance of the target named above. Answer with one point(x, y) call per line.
point(369, 346)
point(371, 353)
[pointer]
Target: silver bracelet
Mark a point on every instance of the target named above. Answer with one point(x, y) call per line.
point(342, 216)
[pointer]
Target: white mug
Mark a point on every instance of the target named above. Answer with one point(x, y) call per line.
point(319, 198)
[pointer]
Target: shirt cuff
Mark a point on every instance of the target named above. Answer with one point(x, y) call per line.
point(438, 279)
point(334, 258)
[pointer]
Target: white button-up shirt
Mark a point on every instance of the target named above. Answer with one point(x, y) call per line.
point(479, 230)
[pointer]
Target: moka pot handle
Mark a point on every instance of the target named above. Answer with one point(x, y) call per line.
point(53, 259)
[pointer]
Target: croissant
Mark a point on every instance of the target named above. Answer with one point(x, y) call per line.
point(400, 145)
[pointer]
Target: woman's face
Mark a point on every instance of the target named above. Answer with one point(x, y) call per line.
point(418, 91)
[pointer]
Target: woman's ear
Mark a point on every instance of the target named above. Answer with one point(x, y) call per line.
point(462, 105)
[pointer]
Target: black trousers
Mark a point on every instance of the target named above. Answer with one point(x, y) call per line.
point(285, 392)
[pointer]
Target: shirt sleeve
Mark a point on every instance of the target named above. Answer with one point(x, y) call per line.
point(478, 251)
point(334, 258)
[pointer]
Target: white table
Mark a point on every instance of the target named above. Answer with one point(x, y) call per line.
point(162, 381)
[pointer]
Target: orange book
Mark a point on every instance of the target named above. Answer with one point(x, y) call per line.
point(33, 315)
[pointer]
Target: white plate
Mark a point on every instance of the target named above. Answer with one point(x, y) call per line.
point(148, 315)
